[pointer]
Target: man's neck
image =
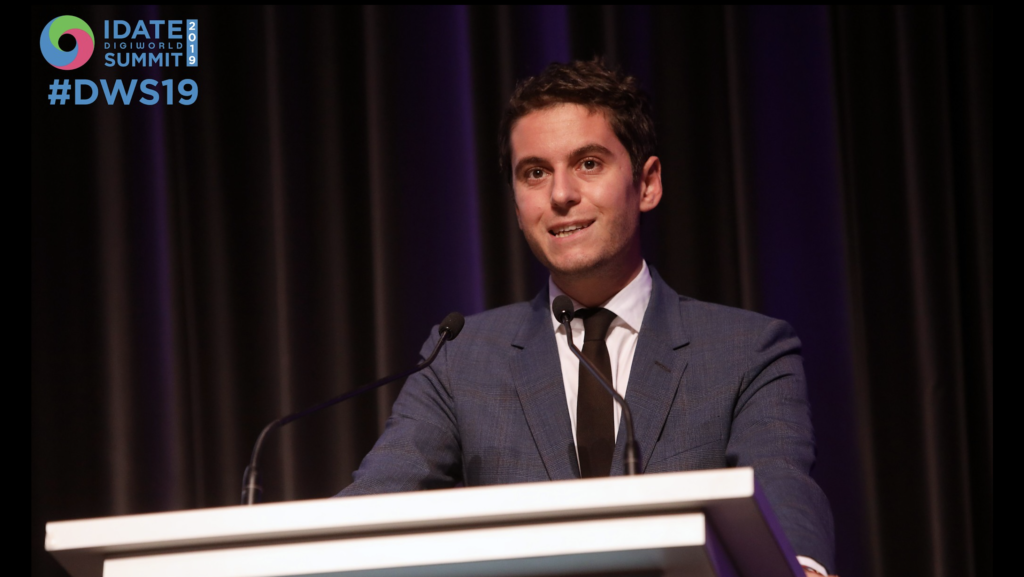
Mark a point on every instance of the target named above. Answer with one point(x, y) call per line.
point(596, 289)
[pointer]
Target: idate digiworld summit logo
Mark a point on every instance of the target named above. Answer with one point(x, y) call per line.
point(49, 42)
point(145, 44)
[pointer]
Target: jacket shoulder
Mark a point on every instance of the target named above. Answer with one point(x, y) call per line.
point(704, 318)
point(498, 324)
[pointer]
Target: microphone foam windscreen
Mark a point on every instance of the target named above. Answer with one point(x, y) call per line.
point(562, 307)
point(453, 323)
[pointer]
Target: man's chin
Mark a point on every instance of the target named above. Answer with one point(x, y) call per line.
point(575, 268)
point(579, 264)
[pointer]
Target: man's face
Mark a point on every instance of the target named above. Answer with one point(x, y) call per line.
point(575, 197)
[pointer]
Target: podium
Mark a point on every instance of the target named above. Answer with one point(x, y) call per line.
point(698, 523)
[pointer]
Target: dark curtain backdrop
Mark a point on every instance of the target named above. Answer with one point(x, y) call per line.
point(200, 270)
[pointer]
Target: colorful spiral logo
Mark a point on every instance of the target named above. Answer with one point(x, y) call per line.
point(79, 55)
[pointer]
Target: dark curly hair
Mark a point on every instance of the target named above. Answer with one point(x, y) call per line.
point(591, 84)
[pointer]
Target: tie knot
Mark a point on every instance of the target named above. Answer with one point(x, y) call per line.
point(595, 323)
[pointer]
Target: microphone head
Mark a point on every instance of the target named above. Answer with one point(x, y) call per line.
point(452, 323)
point(563, 309)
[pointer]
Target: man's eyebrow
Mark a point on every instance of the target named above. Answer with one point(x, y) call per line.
point(590, 149)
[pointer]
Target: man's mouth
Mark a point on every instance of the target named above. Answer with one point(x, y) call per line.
point(567, 230)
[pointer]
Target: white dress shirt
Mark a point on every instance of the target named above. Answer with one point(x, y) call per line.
point(629, 306)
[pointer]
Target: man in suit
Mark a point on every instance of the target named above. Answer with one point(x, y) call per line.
point(709, 386)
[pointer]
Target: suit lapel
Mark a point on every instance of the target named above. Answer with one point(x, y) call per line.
point(658, 365)
point(537, 374)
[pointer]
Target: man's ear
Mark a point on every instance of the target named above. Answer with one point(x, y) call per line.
point(650, 184)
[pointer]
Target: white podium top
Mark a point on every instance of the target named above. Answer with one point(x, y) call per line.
point(186, 541)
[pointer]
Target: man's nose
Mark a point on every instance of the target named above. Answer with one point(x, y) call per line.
point(563, 190)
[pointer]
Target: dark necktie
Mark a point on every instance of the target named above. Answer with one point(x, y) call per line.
point(595, 421)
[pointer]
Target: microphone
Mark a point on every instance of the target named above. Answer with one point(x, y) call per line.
point(564, 311)
point(449, 328)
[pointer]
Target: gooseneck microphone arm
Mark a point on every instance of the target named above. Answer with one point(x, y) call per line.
point(449, 329)
point(564, 311)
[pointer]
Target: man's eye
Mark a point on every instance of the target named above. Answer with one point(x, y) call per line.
point(589, 164)
point(535, 173)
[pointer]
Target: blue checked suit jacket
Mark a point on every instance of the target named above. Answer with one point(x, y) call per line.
point(710, 387)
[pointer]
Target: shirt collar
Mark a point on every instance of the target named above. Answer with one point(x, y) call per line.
point(629, 304)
